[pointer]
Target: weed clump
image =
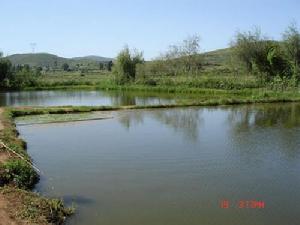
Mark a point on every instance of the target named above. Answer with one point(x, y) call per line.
point(18, 173)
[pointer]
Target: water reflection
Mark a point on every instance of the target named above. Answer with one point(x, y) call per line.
point(279, 122)
point(266, 115)
point(51, 98)
point(182, 120)
point(241, 119)
point(77, 199)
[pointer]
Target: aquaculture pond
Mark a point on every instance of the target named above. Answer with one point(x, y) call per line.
point(83, 97)
point(183, 166)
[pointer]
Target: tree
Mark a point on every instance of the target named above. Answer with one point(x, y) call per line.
point(270, 61)
point(291, 40)
point(245, 46)
point(101, 66)
point(190, 51)
point(184, 57)
point(124, 68)
point(5, 69)
point(109, 65)
point(66, 67)
point(256, 51)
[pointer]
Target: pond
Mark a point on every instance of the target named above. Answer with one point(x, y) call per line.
point(83, 97)
point(174, 166)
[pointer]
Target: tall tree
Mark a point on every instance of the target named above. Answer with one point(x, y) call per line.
point(5, 68)
point(125, 66)
point(65, 67)
point(291, 40)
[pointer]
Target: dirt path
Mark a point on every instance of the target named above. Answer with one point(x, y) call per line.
point(5, 218)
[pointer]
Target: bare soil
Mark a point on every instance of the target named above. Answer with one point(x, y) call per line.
point(5, 211)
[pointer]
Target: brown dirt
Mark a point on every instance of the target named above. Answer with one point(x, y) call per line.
point(5, 218)
point(4, 156)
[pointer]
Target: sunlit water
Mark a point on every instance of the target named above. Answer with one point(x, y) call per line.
point(79, 98)
point(174, 166)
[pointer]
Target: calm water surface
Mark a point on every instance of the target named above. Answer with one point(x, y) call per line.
point(174, 166)
point(79, 98)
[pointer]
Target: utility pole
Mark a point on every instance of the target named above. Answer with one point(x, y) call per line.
point(33, 46)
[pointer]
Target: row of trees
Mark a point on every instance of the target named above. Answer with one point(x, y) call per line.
point(17, 76)
point(259, 55)
point(183, 58)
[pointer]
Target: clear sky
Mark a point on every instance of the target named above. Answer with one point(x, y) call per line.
point(102, 27)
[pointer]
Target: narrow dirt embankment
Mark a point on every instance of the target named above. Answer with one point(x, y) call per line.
point(5, 218)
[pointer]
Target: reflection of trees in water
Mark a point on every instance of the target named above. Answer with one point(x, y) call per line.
point(137, 98)
point(61, 96)
point(119, 98)
point(130, 118)
point(267, 124)
point(185, 121)
point(19, 98)
point(3, 101)
point(286, 115)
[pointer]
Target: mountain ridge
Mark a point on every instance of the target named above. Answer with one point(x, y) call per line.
point(52, 60)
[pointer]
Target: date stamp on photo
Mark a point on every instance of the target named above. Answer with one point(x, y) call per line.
point(242, 204)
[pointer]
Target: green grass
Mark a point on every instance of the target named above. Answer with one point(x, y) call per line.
point(35, 209)
point(18, 173)
point(58, 118)
point(104, 79)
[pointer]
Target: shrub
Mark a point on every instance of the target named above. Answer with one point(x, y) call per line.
point(124, 68)
point(18, 173)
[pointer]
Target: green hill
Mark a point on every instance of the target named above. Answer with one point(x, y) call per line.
point(39, 59)
point(217, 57)
point(50, 60)
point(213, 58)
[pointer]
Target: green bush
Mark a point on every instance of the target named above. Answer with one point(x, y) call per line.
point(124, 68)
point(18, 173)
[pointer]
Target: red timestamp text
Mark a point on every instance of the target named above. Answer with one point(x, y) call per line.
point(243, 204)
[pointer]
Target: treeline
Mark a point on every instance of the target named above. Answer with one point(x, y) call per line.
point(254, 61)
point(83, 68)
point(270, 61)
point(180, 59)
point(17, 77)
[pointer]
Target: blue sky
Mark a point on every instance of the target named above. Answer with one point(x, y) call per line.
point(89, 27)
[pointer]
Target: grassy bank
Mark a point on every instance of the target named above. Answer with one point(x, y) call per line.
point(158, 83)
point(17, 178)
point(24, 111)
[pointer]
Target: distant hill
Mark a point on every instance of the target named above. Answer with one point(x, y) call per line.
point(39, 59)
point(212, 58)
point(218, 57)
point(50, 60)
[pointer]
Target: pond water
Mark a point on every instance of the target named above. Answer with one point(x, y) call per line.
point(83, 97)
point(174, 166)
